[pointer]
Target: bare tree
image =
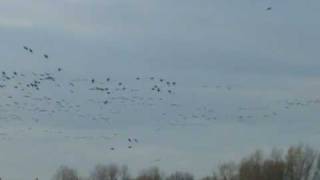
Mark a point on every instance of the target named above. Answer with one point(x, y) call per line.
point(251, 167)
point(105, 172)
point(125, 173)
point(273, 167)
point(150, 174)
point(208, 178)
point(180, 176)
point(227, 171)
point(273, 170)
point(66, 173)
point(300, 161)
point(316, 175)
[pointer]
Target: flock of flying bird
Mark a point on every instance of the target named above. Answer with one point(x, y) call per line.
point(108, 91)
point(25, 94)
point(31, 51)
point(38, 95)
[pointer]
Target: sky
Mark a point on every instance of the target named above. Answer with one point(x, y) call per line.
point(231, 59)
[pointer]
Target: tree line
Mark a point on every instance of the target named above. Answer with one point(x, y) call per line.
point(297, 163)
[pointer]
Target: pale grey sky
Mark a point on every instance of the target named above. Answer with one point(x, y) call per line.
point(267, 58)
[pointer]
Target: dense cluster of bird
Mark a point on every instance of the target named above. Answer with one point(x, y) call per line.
point(105, 101)
point(32, 93)
point(39, 94)
point(301, 103)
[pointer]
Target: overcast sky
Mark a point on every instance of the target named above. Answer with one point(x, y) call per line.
point(265, 57)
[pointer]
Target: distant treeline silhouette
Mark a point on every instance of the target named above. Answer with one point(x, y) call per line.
point(297, 163)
